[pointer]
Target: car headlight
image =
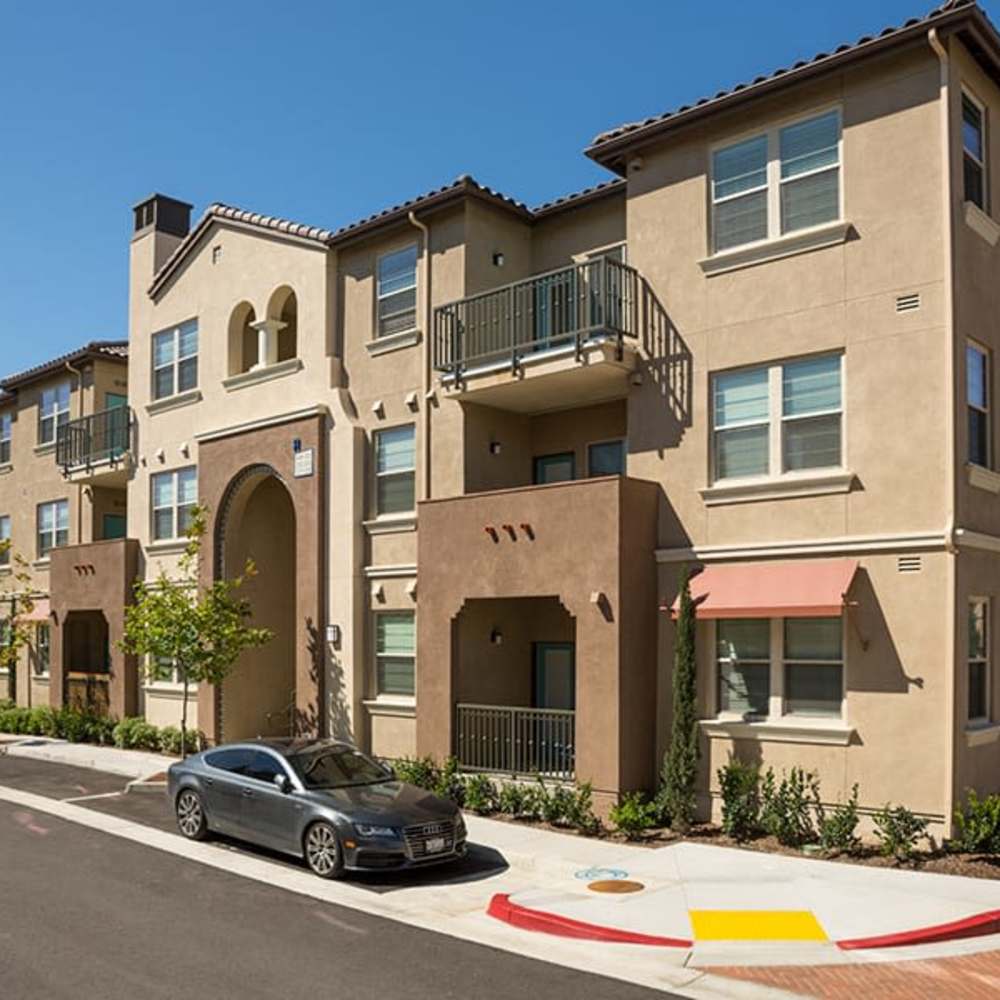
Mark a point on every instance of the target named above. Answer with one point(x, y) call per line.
point(366, 830)
point(460, 825)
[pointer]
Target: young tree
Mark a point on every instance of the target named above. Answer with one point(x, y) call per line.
point(16, 605)
point(201, 630)
point(680, 764)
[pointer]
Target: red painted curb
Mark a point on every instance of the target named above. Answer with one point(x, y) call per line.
point(977, 926)
point(549, 923)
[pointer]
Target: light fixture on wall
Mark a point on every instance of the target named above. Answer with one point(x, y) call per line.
point(333, 635)
point(496, 637)
point(498, 258)
point(495, 448)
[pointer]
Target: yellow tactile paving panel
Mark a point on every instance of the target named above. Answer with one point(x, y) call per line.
point(755, 925)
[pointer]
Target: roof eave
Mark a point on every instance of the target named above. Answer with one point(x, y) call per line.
point(92, 352)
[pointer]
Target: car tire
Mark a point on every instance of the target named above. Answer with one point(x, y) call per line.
point(322, 851)
point(190, 813)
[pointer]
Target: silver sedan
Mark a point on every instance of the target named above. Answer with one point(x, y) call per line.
point(322, 800)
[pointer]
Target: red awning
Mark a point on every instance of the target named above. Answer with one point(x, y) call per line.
point(38, 613)
point(807, 588)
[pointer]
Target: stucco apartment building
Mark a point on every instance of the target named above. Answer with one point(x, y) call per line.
point(470, 444)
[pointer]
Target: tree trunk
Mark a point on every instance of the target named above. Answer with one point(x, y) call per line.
point(184, 714)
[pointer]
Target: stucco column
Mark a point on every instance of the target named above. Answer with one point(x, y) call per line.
point(56, 672)
point(267, 341)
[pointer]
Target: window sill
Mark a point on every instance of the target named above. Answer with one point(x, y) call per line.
point(42, 563)
point(789, 730)
point(979, 222)
point(168, 546)
point(173, 402)
point(6, 468)
point(828, 235)
point(257, 375)
point(45, 449)
point(40, 678)
point(6, 570)
point(174, 692)
point(785, 487)
point(400, 708)
point(394, 342)
point(391, 525)
point(983, 478)
point(979, 734)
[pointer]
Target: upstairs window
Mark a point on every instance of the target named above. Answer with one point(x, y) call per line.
point(606, 458)
point(53, 526)
point(776, 183)
point(173, 498)
point(5, 540)
point(53, 412)
point(397, 292)
point(977, 381)
point(175, 360)
point(395, 470)
point(5, 435)
point(974, 150)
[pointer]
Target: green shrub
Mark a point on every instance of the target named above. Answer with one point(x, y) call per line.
point(837, 830)
point(41, 721)
point(75, 726)
point(135, 733)
point(450, 783)
point(633, 815)
point(511, 799)
point(419, 771)
point(580, 813)
point(480, 794)
point(101, 730)
point(977, 825)
point(898, 831)
point(559, 806)
point(739, 786)
point(14, 719)
point(786, 806)
point(170, 740)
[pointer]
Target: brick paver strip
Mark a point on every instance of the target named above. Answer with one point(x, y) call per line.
point(967, 977)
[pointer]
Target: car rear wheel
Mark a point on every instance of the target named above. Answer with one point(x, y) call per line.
point(322, 851)
point(191, 815)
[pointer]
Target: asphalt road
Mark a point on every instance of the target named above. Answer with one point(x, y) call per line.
point(87, 915)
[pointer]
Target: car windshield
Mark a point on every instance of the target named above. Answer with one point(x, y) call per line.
point(337, 767)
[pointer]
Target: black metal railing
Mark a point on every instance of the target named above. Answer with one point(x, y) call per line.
point(598, 298)
point(510, 740)
point(100, 437)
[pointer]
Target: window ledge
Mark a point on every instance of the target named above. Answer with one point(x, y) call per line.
point(394, 342)
point(171, 691)
point(833, 733)
point(785, 487)
point(265, 374)
point(42, 563)
point(391, 525)
point(45, 449)
point(977, 735)
point(6, 468)
point(984, 479)
point(979, 222)
point(168, 546)
point(174, 402)
point(402, 708)
point(6, 570)
point(828, 235)
point(40, 678)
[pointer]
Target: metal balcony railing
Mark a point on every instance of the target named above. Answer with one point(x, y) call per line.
point(101, 437)
point(511, 740)
point(598, 298)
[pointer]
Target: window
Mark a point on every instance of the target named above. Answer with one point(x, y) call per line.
point(397, 292)
point(974, 150)
point(174, 495)
point(554, 468)
point(977, 374)
point(979, 660)
point(777, 419)
point(744, 666)
point(395, 470)
point(814, 666)
point(53, 526)
point(5, 537)
point(43, 647)
point(394, 653)
point(175, 360)
point(235, 761)
point(264, 766)
point(53, 412)
point(5, 435)
point(776, 183)
point(606, 458)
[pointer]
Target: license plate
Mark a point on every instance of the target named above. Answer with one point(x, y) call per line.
point(435, 845)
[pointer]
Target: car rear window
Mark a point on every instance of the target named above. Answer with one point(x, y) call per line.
point(236, 760)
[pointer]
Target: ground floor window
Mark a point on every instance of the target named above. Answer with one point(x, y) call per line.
point(43, 640)
point(395, 653)
point(773, 667)
point(979, 660)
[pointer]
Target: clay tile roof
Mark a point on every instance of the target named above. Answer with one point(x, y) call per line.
point(604, 144)
point(579, 197)
point(115, 349)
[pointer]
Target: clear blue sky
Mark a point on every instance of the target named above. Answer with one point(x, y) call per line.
point(324, 112)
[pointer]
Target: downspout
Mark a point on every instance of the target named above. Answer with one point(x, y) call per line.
point(425, 359)
point(951, 456)
point(79, 486)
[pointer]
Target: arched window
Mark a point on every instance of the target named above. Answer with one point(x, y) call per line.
point(242, 339)
point(284, 308)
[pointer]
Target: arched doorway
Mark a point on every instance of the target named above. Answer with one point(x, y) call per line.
point(258, 523)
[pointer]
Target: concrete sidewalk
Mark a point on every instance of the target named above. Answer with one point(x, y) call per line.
point(135, 764)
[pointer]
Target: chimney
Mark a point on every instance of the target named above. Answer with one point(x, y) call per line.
point(167, 220)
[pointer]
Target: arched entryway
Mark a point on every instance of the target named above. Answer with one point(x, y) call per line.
point(86, 662)
point(258, 523)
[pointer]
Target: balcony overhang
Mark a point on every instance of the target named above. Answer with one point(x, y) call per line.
point(556, 379)
point(108, 474)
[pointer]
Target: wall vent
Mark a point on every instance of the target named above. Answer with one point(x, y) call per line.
point(909, 564)
point(907, 303)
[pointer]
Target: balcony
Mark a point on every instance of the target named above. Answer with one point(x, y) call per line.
point(558, 339)
point(95, 448)
point(504, 739)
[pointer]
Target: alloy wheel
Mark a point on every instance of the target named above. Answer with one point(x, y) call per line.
point(190, 816)
point(323, 850)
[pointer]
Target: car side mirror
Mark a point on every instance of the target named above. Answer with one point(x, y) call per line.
point(282, 783)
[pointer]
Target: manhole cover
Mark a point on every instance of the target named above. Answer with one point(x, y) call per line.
point(616, 885)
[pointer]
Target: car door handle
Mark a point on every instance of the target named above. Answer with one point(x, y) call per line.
point(248, 792)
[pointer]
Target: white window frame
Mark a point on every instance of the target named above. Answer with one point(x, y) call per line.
point(6, 437)
point(173, 506)
point(775, 422)
point(775, 181)
point(379, 695)
point(58, 415)
point(379, 296)
point(717, 672)
point(983, 164)
point(612, 440)
point(776, 700)
point(174, 332)
point(5, 536)
point(988, 369)
point(376, 475)
point(57, 506)
point(987, 661)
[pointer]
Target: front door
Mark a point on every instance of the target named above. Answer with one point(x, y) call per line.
point(555, 675)
point(112, 526)
point(224, 783)
point(555, 468)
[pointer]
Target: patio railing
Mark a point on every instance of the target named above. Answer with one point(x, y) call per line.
point(99, 437)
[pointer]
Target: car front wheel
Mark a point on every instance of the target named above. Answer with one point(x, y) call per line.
point(191, 815)
point(322, 851)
